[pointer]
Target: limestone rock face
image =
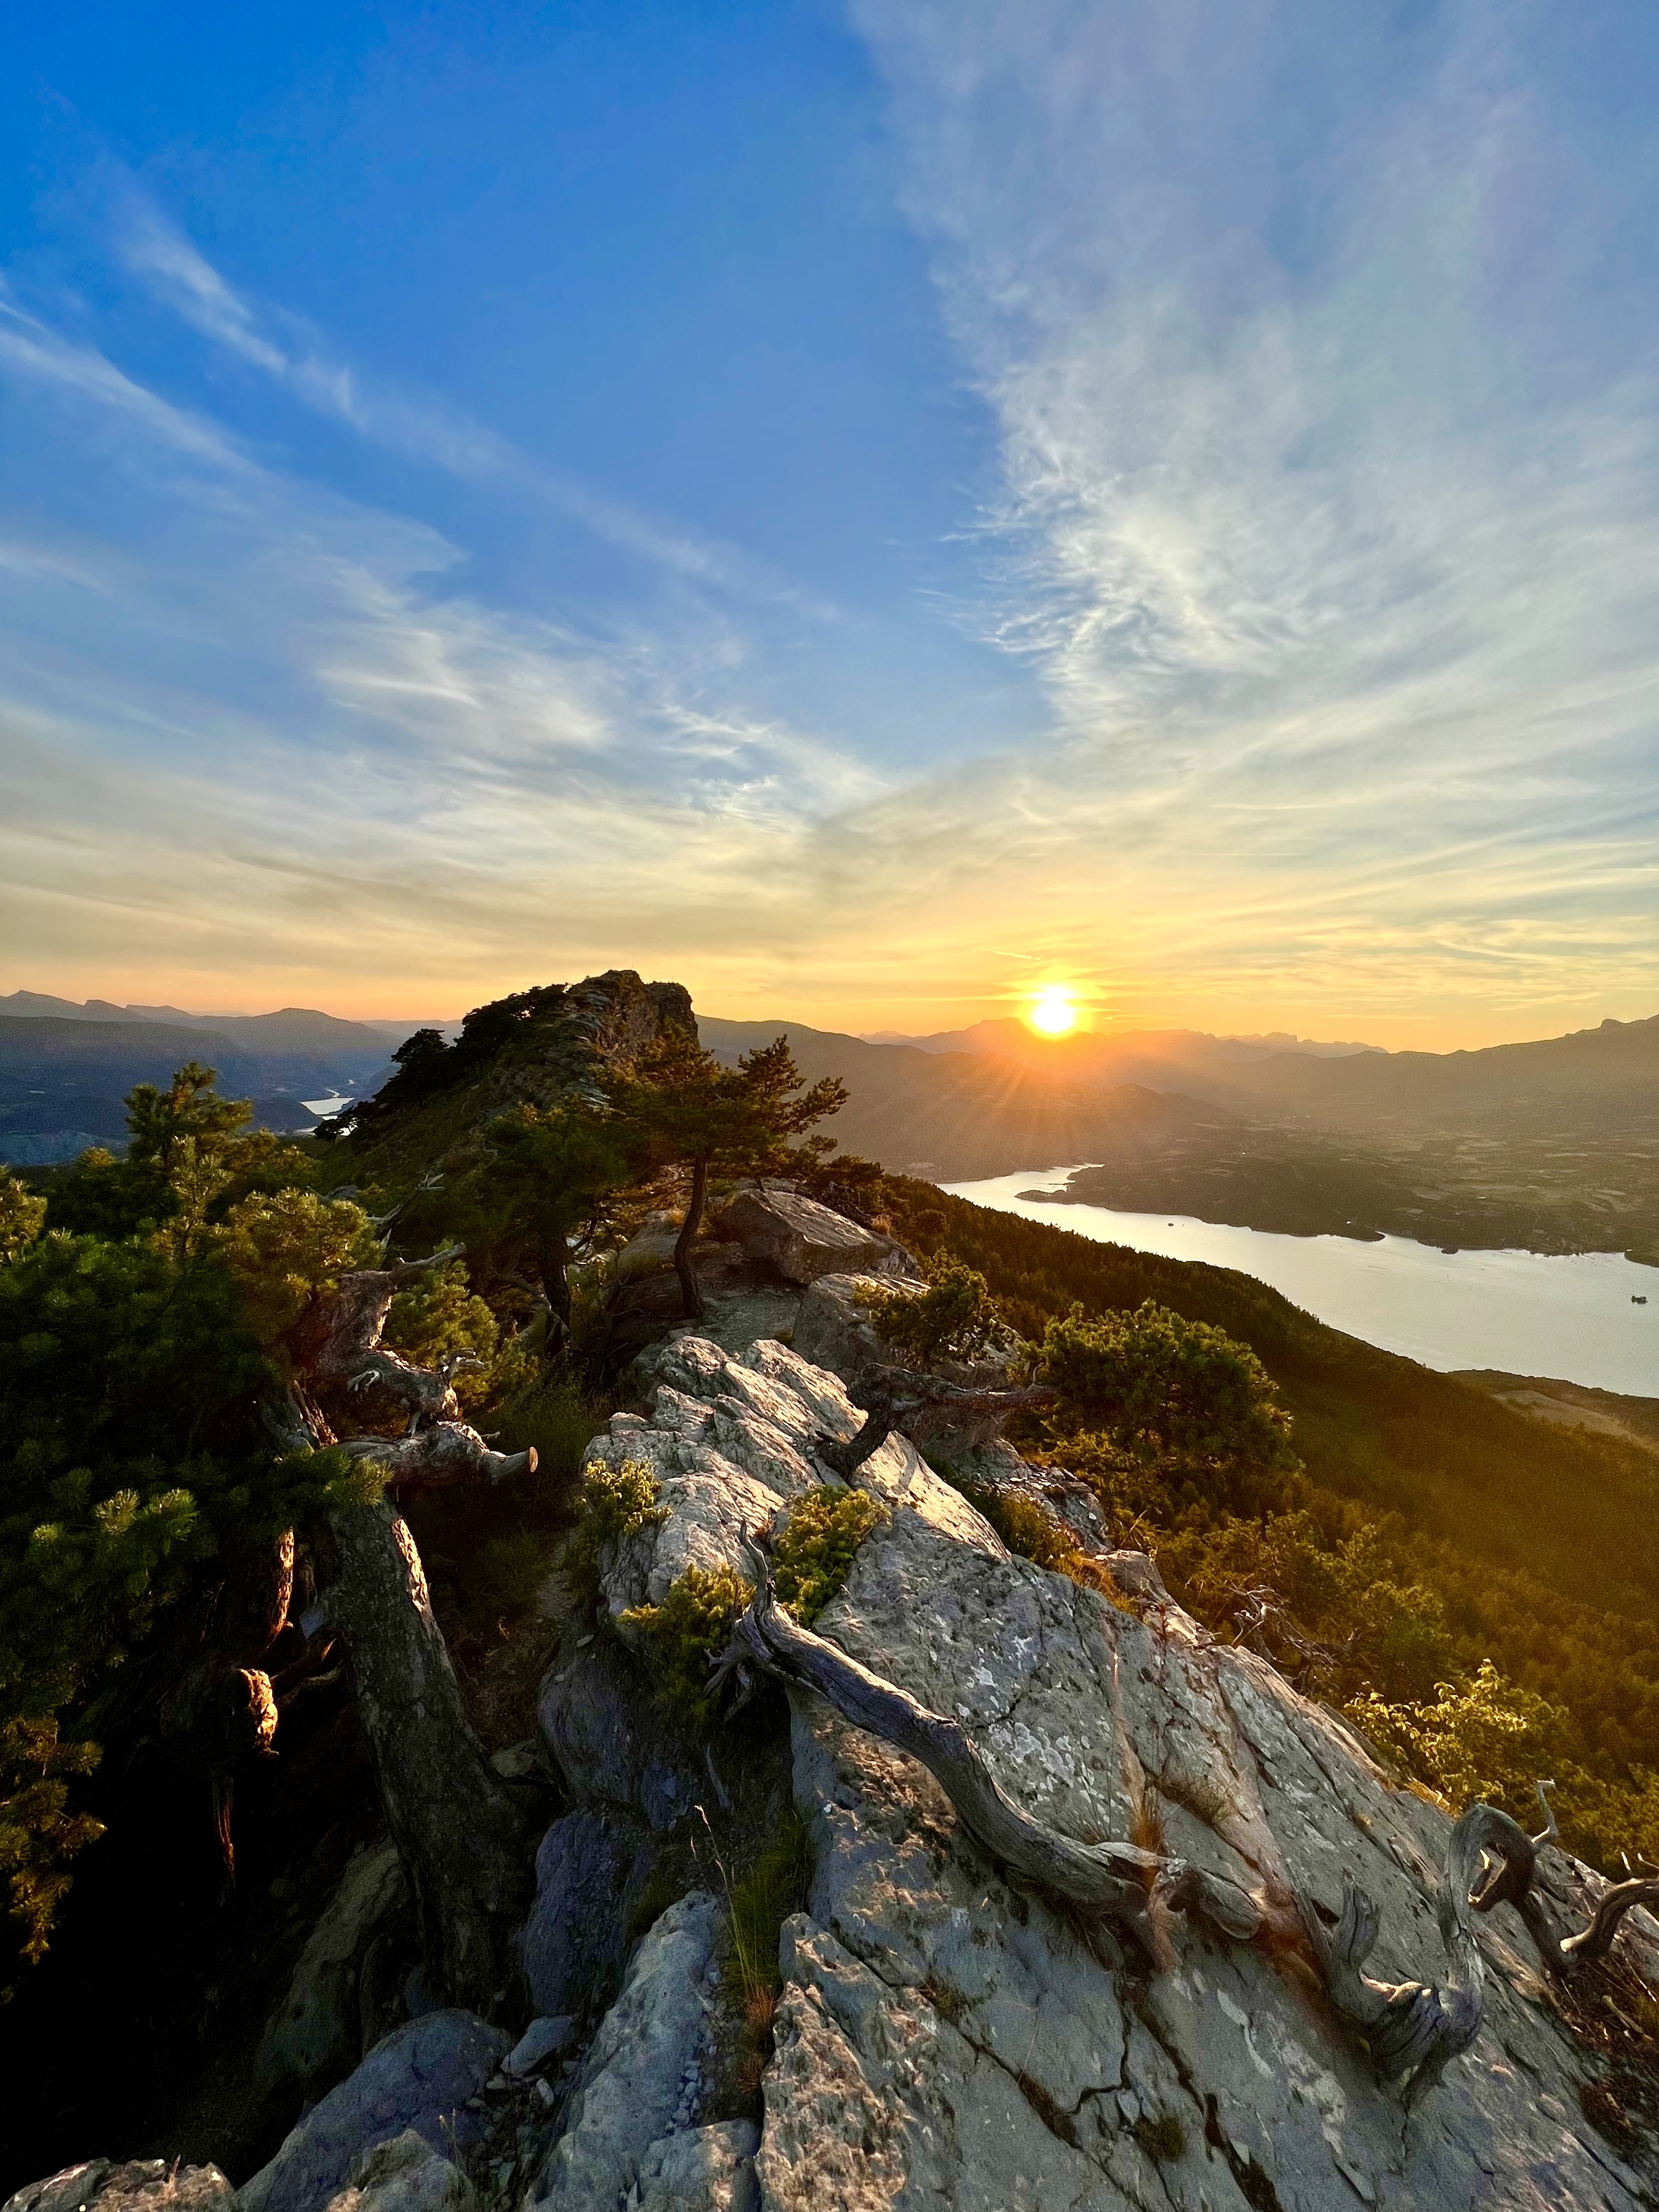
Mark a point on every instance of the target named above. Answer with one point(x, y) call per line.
point(420, 2078)
point(405, 2175)
point(802, 1239)
point(590, 1863)
point(730, 1442)
point(608, 1742)
point(316, 2033)
point(705, 2170)
point(834, 1331)
point(642, 2078)
point(141, 2185)
point(945, 2038)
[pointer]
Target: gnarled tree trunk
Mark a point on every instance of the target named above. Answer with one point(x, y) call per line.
point(462, 1835)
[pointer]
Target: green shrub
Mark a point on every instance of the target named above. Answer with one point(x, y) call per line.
point(1157, 1384)
point(23, 1215)
point(437, 1319)
point(558, 1418)
point(1025, 1526)
point(510, 1572)
point(955, 1318)
point(687, 1632)
point(811, 1557)
point(1485, 1739)
point(612, 1502)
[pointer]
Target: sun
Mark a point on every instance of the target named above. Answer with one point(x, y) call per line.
point(1053, 1012)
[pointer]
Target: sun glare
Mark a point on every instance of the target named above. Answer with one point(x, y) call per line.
point(1053, 1012)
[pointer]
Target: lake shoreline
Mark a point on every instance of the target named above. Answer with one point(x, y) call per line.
point(1254, 1218)
point(1589, 1319)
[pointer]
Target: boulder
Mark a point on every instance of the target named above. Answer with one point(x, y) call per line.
point(803, 1240)
point(420, 2077)
point(542, 2042)
point(609, 1739)
point(141, 2185)
point(834, 1330)
point(572, 1945)
point(646, 2075)
point(316, 2033)
point(704, 2170)
point(405, 2175)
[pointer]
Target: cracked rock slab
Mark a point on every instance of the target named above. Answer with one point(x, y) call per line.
point(650, 2046)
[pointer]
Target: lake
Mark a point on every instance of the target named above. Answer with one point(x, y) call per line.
point(1527, 1313)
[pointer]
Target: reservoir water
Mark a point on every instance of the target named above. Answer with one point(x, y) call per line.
point(1571, 1318)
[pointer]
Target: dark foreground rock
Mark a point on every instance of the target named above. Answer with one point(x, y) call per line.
point(142, 2185)
point(421, 2079)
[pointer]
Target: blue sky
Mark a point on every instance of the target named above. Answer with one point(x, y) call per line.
point(860, 509)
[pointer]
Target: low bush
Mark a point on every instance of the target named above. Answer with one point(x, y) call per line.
point(613, 1503)
point(812, 1555)
point(687, 1634)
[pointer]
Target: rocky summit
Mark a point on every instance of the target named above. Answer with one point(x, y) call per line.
point(942, 2029)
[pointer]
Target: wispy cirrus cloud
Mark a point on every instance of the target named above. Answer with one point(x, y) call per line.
point(1325, 380)
point(420, 426)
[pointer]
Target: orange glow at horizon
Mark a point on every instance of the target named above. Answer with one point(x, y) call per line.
point(1054, 1012)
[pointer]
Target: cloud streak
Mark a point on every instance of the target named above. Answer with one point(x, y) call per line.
point(1336, 558)
point(1320, 357)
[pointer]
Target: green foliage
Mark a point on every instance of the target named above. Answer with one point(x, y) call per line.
point(687, 1634)
point(101, 1196)
point(545, 1172)
point(438, 1318)
point(281, 1249)
point(129, 1456)
point(189, 1111)
point(1342, 1592)
point(1484, 1738)
point(22, 1216)
point(732, 1120)
point(511, 1571)
point(1154, 1383)
point(775, 1887)
point(558, 1418)
point(613, 1503)
point(38, 1834)
point(816, 1548)
point(188, 1160)
point(955, 1318)
point(1022, 1524)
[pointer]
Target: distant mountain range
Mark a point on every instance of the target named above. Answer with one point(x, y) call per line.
point(1013, 1039)
point(65, 1068)
point(1552, 1145)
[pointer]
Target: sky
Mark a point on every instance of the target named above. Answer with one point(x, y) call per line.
point(866, 509)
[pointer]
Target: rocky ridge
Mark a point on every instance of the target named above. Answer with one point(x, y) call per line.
point(945, 2034)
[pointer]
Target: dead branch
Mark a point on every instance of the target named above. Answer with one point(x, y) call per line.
point(337, 1345)
point(895, 1398)
point(1413, 2029)
point(435, 1458)
point(1117, 1880)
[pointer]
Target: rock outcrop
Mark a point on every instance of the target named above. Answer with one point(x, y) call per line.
point(141, 2185)
point(803, 1240)
point(424, 2077)
point(948, 2032)
point(645, 2075)
point(946, 2036)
